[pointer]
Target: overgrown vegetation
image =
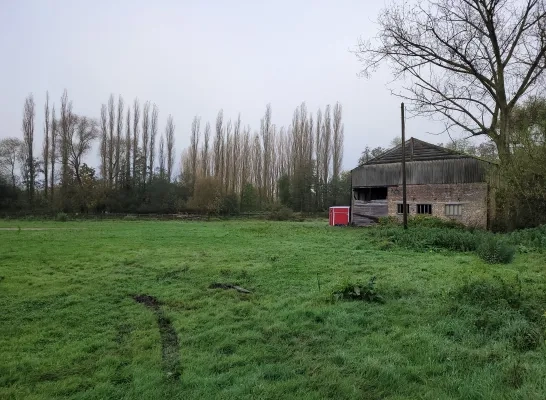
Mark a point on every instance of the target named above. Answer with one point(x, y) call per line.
point(449, 327)
point(429, 233)
point(424, 238)
point(495, 251)
point(500, 309)
point(61, 217)
point(281, 214)
point(358, 291)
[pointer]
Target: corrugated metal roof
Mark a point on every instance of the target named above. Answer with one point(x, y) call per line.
point(416, 150)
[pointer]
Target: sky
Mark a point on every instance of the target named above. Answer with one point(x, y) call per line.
point(197, 57)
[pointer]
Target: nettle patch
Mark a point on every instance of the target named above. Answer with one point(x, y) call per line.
point(358, 291)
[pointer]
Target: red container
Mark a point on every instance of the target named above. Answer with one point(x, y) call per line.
point(339, 216)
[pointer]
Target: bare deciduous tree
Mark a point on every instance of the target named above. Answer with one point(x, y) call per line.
point(128, 148)
point(218, 143)
point(265, 131)
point(337, 151)
point(46, 144)
point(162, 157)
point(467, 61)
point(326, 150)
point(194, 146)
point(145, 138)
point(28, 139)
point(10, 148)
point(104, 143)
point(54, 138)
point(257, 163)
point(169, 135)
point(119, 133)
point(337, 145)
point(246, 158)
point(81, 134)
point(224, 156)
point(235, 151)
point(136, 120)
point(67, 121)
point(205, 162)
point(111, 145)
point(153, 134)
point(318, 161)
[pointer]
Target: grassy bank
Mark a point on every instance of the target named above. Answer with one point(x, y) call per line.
point(123, 309)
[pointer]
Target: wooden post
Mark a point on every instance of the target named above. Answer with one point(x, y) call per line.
point(404, 198)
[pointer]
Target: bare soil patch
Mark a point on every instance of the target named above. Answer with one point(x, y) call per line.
point(170, 351)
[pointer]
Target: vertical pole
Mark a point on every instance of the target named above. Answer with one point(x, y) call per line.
point(404, 198)
point(351, 195)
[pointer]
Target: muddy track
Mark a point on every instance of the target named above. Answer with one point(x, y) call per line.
point(170, 351)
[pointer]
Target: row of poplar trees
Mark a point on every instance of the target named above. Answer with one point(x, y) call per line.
point(228, 167)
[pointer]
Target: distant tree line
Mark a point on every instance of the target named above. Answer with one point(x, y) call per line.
point(227, 167)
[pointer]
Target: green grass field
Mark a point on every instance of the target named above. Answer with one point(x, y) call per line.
point(451, 326)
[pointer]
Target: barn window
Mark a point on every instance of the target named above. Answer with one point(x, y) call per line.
point(424, 208)
point(400, 208)
point(454, 210)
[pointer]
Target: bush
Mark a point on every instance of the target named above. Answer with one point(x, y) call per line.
point(230, 204)
point(529, 239)
point(206, 196)
point(386, 245)
point(130, 218)
point(430, 238)
point(433, 222)
point(389, 221)
point(62, 217)
point(495, 251)
point(281, 214)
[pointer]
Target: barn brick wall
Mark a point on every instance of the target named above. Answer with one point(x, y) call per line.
point(472, 197)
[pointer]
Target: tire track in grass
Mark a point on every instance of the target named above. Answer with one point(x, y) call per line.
point(170, 351)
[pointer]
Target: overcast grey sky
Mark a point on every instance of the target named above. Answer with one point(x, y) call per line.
point(196, 57)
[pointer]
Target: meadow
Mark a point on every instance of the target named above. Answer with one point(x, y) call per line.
point(126, 310)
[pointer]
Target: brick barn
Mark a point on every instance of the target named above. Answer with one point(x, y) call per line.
point(440, 182)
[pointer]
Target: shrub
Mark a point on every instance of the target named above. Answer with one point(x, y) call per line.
point(62, 217)
point(456, 240)
point(386, 245)
point(358, 291)
point(130, 218)
point(433, 222)
point(495, 251)
point(526, 239)
point(281, 214)
point(389, 221)
point(421, 238)
point(230, 204)
point(206, 196)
